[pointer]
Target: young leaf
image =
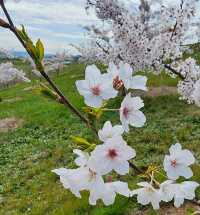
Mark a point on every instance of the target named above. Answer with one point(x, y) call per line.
point(40, 49)
point(80, 141)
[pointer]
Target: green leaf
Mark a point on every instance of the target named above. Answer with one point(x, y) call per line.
point(23, 34)
point(40, 49)
point(32, 49)
point(80, 141)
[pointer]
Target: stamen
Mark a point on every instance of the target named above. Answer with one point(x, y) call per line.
point(96, 90)
point(125, 112)
point(112, 153)
point(173, 163)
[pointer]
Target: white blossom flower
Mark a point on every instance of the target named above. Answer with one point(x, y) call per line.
point(130, 112)
point(82, 158)
point(112, 155)
point(80, 179)
point(185, 190)
point(124, 75)
point(96, 87)
point(171, 190)
point(167, 190)
point(109, 193)
point(196, 93)
point(177, 163)
point(108, 131)
point(148, 194)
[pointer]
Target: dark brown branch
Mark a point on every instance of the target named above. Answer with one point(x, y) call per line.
point(4, 24)
point(65, 100)
point(137, 169)
point(174, 71)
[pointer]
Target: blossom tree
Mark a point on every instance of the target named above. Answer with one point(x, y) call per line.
point(149, 39)
point(109, 152)
point(9, 74)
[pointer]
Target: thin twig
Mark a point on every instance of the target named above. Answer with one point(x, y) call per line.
point(137, 169)
point(174, 71)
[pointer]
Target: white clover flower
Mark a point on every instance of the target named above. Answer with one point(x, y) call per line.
point(130, 112)
point(109, 193)
point(112, 155)
point(124, 76)
point(177, 163)
point(108, 131)
point(148, 194)
point(196, 93)
point(96, 87)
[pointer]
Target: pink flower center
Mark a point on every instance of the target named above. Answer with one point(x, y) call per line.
point(125, 112)
point(96, 90)
point(112, 153)
point(173, 163)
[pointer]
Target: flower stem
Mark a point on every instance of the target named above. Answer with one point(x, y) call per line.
point(108, 109)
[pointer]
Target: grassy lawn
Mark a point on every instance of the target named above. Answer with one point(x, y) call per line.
point(28, 154)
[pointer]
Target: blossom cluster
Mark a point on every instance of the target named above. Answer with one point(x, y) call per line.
point(189, 88)
point(94, 172)
point(5, 54)
point(9, 74)
point(114, 154)
point(147, 39)
point(97, 87)
point(176, 164)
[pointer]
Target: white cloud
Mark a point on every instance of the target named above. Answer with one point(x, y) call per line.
point(57, 23)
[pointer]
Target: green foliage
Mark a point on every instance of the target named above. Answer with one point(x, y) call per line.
point(28, 155)
point(36, 51)
point(40, 49)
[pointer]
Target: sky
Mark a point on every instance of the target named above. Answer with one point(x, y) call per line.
point(57, 23)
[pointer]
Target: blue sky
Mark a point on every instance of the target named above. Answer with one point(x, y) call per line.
point(58, 23)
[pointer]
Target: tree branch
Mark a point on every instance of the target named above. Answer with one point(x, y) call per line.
point(174, 71)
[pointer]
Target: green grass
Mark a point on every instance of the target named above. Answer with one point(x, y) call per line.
point(28, 154)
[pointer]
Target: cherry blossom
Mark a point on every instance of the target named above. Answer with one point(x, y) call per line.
point(123, 75)
point(196, 93)
point(9, 74)
point(80, 179)
point(112, 155)
point(185, 190)
point(167, 190)
point(108, 131)
point(130, 112)
point(146, 39)
point(177, 163)
point(96, 87)
point(109, 193)
point(148, 194)
point(82, 158)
